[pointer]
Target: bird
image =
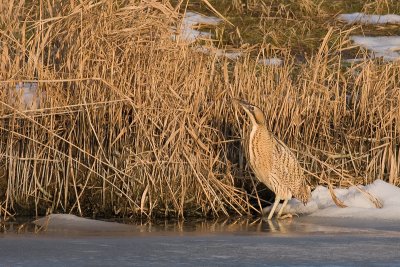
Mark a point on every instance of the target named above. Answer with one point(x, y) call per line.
point(272, 162)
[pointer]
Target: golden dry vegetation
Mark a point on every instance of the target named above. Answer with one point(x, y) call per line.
point(131, 122)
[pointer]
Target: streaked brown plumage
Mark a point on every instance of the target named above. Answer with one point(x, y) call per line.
point(272, 161)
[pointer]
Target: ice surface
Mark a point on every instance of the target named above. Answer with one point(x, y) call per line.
point(358, 204)
point(245, 241)
point(369, 19)
point(187, 33)
point(304, 241)
point(387, 47)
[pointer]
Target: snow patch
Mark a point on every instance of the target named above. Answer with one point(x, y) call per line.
point(187, 34)
point(26, 96)
point(387, 47)
point(358, 205)
point(219, 52)
point(369, 19)
point(274, 61)
point(353, 60)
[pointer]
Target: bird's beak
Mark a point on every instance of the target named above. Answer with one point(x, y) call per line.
point(242, 103)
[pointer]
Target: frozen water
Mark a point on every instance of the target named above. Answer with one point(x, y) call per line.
point(72, 241)
point(208, 250)
point(369, 19)
point(305, 241)
point(186, 32)
point(358, 204)
point(387, 47)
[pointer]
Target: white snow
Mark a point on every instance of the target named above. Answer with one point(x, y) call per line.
point(187, 34)
point(369, 19)
point(219, 52)
point(358, 204)
point(354, 60)
point(26, 96)
point(274, 61)
point(235, 54)
point(387, 47)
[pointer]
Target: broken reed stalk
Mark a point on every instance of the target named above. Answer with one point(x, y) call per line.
point(132, 123)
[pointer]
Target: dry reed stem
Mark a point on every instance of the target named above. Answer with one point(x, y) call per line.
point(335, 199)
point(133, 124)
point(216, 12)
point(376, 201)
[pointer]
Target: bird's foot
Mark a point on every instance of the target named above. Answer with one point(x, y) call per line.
point(287, 216)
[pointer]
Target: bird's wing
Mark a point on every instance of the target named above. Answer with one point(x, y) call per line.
point(290, 171)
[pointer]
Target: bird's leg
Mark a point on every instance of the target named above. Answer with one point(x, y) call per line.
point(271, 213)
point(283, 206)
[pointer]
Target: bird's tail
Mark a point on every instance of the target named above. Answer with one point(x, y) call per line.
point(304, 194)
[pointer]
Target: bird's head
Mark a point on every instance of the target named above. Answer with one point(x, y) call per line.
point(256, 115)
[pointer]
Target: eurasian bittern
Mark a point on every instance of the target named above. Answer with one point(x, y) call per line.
point(272, 161)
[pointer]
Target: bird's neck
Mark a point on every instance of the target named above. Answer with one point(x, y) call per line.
point(262, 129)
point(260, 135)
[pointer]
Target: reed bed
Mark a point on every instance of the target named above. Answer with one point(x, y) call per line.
point(130, 122)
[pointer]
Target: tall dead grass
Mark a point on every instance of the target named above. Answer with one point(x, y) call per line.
point(132, 123)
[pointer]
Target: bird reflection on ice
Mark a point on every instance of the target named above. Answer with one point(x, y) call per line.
point(66, 224)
